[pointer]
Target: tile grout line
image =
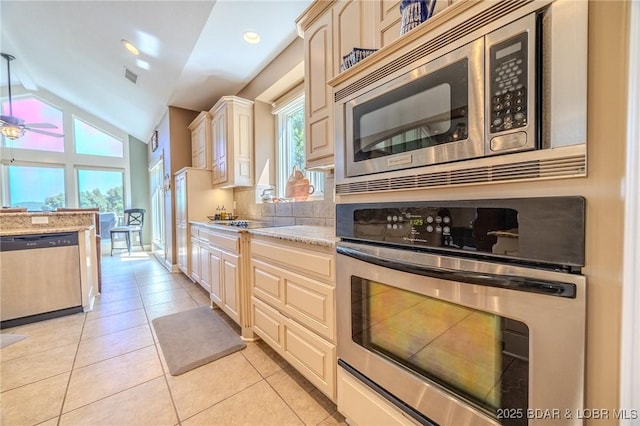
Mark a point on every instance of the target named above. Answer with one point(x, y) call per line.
point(75, 356)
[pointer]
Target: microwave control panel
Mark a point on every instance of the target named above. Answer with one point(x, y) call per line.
point(508, 69)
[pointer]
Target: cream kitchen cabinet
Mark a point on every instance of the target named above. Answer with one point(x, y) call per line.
point(201, 141)
point(318, 69)
point(293, 306)
point(232, 142)
point(227, 268)
point(195, 199)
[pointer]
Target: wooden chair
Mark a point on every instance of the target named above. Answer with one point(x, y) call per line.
point(134, 220)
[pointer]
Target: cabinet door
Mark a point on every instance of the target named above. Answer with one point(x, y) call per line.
point(318, 63)
point(198, 147)
point(205, 270)
point(182, 247)
point(215, 261)
point(352, 28)
point(220, 146)
point(195, 260)
point(387, 19)
point(231, 285)
point(243, 145)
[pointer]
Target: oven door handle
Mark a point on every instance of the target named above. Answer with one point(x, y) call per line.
point(511, 282)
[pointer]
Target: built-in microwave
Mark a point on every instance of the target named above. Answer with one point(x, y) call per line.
point(509, 78)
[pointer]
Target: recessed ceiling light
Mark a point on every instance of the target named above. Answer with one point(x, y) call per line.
point(251, 37)
point(130, 47)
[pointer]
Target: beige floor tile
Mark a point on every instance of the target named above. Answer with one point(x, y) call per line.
point(50, 422)
point(336, 419)
point(204, 386)
point(258, 404)
point(164, 297)
point(112, 308)
point(97, 381)
point(34, 403)
point(113, 323)
point(163, 309)
point(151, 280)
point(159, 287)
point(41, 336)
point(38, 366)
point(199, 294)
point(264, 358)
point(308, 403)
point(108, 346)
point(114, 295)
point(146, 404)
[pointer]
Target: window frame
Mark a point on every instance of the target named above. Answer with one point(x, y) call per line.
point(293, 103)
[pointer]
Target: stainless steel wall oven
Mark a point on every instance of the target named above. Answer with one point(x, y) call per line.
point(465, 312)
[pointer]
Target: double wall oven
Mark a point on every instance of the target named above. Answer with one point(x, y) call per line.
point(465, 312)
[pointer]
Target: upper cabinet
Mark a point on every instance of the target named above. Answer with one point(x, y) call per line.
point(232, 142)
point(318, 69)
point(387, 21)
point(201, 141)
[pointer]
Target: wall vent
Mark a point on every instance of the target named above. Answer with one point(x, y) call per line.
point(569, 166)
point(495, 12)
point(130, 75)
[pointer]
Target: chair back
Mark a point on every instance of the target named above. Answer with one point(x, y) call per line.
point(134, 217)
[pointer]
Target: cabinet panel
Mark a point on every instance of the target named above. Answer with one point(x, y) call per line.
point(321, 264)
point(215, 260)
point(231, 282)
point(308, 301)
point(319, 68)
point(314, 357)
point(232, 135)
point(266, 285)
point(205, 272)
point(195, 260)
point(268, 324)
point(352, 28)
point(200, 141)
point(362, 406)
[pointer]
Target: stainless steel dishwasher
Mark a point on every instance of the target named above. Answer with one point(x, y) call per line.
point(39, 277)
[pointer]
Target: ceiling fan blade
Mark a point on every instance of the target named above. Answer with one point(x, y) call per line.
point(41, 125)
point(44, 132)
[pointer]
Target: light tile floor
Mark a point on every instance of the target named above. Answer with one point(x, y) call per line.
point(105, 367)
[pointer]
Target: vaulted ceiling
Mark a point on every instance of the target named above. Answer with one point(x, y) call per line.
point(191, 52)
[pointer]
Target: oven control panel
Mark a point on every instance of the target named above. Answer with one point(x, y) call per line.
point(549, 229)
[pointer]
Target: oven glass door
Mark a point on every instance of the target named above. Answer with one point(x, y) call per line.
point(458, 339)
point(482, 357)
point(428, 115)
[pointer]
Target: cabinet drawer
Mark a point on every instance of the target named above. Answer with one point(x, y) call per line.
point(362, 406)
point(308, 301)
point(224, 242)
point(308, 261)
point(268, 324)
point(195, 231)
point(312, 356)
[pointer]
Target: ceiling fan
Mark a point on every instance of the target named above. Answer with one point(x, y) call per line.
point(14, 127)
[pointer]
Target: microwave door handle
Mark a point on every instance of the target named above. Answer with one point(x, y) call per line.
point(511, 282)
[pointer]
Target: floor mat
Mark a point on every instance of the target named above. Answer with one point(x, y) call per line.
point(193, 338)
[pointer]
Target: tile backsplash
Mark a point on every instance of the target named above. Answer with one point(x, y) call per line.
point(320, 212)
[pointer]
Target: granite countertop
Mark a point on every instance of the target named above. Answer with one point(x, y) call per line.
point(307, 234)
point(217, 227)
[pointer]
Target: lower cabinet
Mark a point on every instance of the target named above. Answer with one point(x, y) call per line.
point(363, 406)
point(293, 306)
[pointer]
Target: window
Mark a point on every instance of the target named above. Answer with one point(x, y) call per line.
point(102, 189)
point(36, 188)
point(33, 110)
point(92, 141)
point(291, 147)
